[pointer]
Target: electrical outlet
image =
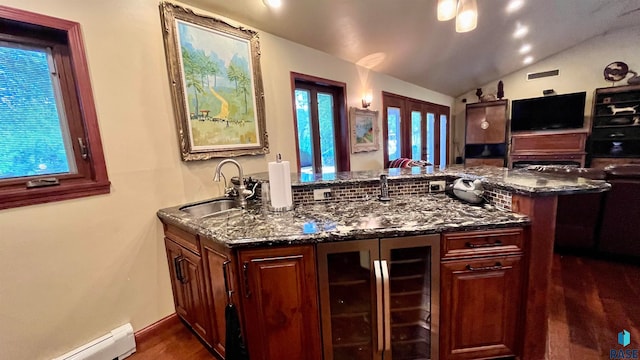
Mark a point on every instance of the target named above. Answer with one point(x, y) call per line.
point(437, 186)
point(321, 194)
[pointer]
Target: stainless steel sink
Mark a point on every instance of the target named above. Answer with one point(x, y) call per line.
point(213, 208)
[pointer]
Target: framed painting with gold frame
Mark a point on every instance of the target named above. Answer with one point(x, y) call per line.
point(216, 85)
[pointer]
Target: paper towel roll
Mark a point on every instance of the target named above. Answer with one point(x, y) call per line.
point(280, 184)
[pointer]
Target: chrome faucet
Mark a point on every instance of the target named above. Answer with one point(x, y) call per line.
point(384, 188)
point(240, 192)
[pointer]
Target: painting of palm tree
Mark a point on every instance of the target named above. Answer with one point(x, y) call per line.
point(215, 68)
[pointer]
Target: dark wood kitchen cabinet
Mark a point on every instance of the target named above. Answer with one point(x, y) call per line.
point(481, 281)
point(187, 281)
point(274, 289)
point(280, 302)
point(486, 133)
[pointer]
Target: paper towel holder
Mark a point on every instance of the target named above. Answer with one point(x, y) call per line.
point(265, 198)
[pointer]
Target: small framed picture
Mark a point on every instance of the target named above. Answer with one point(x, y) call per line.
point(364, 130)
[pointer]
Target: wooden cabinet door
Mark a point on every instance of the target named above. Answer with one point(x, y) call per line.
point(216, 262)
point(174, 256)
point(480, 306)
point(486, 122)
point(187, 282)
point(194, 289)
point(280, 303)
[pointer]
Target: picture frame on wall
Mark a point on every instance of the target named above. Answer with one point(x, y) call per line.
point(216, 85)
point(363, 126)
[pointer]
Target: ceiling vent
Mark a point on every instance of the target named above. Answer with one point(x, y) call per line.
point(543, 74)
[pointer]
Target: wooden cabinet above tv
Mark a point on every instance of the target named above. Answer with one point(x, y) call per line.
point(486, 133)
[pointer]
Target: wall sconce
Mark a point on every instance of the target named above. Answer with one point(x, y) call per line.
point(465, 12)
point(366, 100)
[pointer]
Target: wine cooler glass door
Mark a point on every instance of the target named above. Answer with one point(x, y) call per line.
point(411, 306)
point(348, 293)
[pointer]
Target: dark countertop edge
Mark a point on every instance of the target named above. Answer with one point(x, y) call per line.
point(335, 237)
point(550, 192)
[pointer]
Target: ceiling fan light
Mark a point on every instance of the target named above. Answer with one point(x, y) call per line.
point(467, 16)
point(446, 9)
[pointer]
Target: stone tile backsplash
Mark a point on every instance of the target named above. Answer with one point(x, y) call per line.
point(370, 189)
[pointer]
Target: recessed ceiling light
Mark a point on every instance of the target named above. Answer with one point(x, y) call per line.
point(521, 31)
point(528, 60)
point(524, 49)
point(273, 3)
point(514, 5)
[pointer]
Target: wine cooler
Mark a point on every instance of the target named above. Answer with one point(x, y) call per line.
point(379, 298)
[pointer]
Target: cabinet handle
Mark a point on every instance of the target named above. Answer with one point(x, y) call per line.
point(475, 246)
point(616, 135)
point(245, 274)
point(497, 266)
point(177, 263)
point(387, 305)
point(379, 304)
point(225, 274)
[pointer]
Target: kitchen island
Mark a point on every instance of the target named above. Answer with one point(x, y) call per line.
point(520, 199)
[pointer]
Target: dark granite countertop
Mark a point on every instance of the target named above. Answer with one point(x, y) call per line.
point(402, 216)
point(519, 181)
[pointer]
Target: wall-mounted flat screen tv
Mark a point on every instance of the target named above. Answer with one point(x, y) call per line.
point(555, 112)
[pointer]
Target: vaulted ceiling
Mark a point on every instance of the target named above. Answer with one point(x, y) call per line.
point(403, 39)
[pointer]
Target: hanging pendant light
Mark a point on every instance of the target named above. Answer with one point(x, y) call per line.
point(446, 9)
point(467, 15)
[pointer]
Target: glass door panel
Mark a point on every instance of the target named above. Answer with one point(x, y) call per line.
point(416, 135)
point(443, 140)
point(347, 299)
point(305, 135)
point(327, 133)
point(394, 134)
point(431, 150)
point(413, 300)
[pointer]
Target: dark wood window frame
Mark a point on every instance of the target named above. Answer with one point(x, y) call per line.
point(406, 106)
point(341, 119)
point(65, 39)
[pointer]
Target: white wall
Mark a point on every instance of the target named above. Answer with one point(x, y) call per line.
point(581, 69)
point(73, 270)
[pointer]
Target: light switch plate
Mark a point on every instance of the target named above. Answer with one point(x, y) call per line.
point(321, 194)
point(437, 186)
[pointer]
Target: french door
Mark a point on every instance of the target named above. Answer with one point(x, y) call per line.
point(415, 129)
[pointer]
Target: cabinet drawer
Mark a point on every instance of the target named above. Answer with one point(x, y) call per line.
point(482, 243)
point(549, 143)
point(621, 133)
point(183, 238)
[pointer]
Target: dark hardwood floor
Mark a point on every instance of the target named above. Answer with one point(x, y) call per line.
point(591, 301)
point(173, 342)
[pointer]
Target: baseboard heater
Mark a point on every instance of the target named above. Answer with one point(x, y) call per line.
point(118, 344)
